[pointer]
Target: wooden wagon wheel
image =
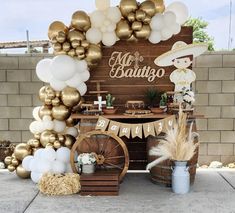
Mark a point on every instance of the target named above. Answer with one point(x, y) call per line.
point(110, 150)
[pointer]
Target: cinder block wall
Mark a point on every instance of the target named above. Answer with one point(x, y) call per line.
point(215, 95)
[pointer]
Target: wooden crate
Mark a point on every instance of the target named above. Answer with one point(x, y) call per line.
point(101, 183)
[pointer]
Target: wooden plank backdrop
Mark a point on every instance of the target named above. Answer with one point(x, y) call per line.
point(134, 88)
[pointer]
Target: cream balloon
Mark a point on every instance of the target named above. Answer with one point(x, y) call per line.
point(169, 18)
point(109, 39)
point(180, 10)
point(175, 28)
point(82, 88)
point(57, 85)
point(59, 126)
point(43, 70)
point(75, 81)
point(85, 76)
point(97, 18)
point(166, 34)
point(81, 65)
point(94, 36)
point(157, 22)
point(36, 113)
point(72, 131)
point(114, 14)
point(102, 4)
point(155, 37)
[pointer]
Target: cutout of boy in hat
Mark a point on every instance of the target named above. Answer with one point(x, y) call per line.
point(181, 56)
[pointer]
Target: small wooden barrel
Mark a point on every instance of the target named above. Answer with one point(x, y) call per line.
point(162, 172)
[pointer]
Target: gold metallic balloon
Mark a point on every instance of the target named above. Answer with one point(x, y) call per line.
point(140, 15)
point(78, 108)
point(49, 145)
point(80, 50)
point(11, 168)
point(56, 144)
point(55, 101)
point(61, 138)
point(22, 150)
point(45, 137)
point(132, 39)
point(54, 40)
point(21, 172)
point(70, 96)
point(60, 53)
point(48, 101)
point(8, 160)
point(147, 20)
point(66, 46)
point(81, 57)
point(15, 162)
point(148, 7)
point(55, 28)
point(72, 52)
point(53, 138)
point(50, 93)
point(81, 21)
point(35, 143)
point(159, 5)
point(94, 54)
point(75, 35)
point(57, 94)
point(128, 6)
point(42, 93)
point(131, 17)
point(144, 33)
point(85, 44)
point(69, 141)
point(70, 122)
point(123, 30)
point(45, 110)
point(37, 136)
point(136, 26)
point(61, 37)
point(60, 112)
point(57, 47)
point(75, 43)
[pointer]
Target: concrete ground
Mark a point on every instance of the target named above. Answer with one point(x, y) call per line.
point(213, 191)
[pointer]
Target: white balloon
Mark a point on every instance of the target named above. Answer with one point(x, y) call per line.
point(46, 118)
point(109, 39)
point(180, 10)
point(175, 29)
point(43, 70)
point(75, 81)
point(102, 4)
point(157, 22)
point(58, 167)
point(57, 85)
point(48, 154)
point(38, 154)
point(26, 162)
point(63, 67)
point(104, 29)
point(68, 168)
point(94, 36)
point(72, 131)
point(97, 18)
point(114, 14)
point(49, 125)
point(44, 166)
point(85, 76)
point(35, 127)
point(169, 18)
point(36, 113)
point(111, 28)
point(155, 37)
point(166, 34)
point(59, 126)
point(82, 88)
point(63, 154)
point(36, 176)
point(81, 65)
point(33, 165)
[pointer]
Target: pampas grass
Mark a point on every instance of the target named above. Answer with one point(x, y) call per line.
point(178, 144)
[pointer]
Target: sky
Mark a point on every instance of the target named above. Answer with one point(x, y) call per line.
point(17, 16)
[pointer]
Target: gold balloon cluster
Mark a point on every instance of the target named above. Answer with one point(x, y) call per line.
point(14, 161)
point(137, 18)
point(72, 40)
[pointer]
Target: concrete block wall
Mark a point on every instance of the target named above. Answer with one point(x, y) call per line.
point(215, 98)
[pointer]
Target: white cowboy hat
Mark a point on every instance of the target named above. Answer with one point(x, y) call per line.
point(180, 49)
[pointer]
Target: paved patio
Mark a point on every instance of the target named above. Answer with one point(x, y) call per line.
point(214, 191)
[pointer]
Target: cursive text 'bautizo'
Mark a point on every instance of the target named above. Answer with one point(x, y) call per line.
point(120, 64)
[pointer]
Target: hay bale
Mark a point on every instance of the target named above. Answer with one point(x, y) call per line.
point(62, 184)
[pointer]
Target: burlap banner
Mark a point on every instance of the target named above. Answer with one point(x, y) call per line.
point(135, 130)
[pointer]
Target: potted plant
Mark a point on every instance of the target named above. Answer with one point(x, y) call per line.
point(110, 109)
point(163, 101)
point(153, 97)
point(86, 161)
point(178, 146)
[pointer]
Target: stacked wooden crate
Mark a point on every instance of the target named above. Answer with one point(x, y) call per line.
point(101, 183)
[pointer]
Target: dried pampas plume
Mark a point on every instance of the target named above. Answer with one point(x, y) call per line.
point(178, 144)
point(51, 184)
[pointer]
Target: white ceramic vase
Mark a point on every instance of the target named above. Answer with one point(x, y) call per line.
point(88, 168)
point(180, 178)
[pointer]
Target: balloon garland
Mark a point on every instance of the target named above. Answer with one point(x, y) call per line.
point(77, 49)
